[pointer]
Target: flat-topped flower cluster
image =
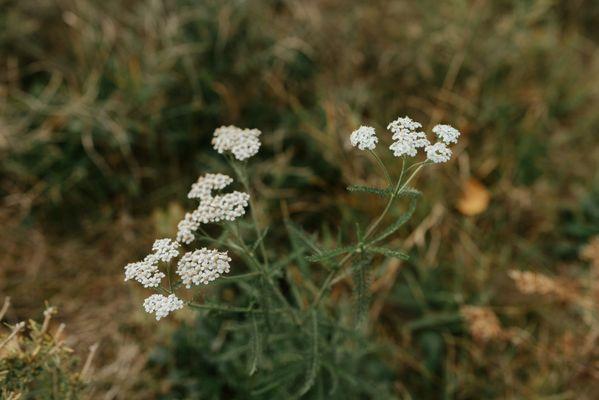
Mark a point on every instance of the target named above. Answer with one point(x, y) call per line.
point(408, 138)
point(204, 265)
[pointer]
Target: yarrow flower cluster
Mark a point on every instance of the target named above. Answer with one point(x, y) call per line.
point(204, 186)
point(202, 266)
point(408, 138)
point(448, 134)
point(212, 209)
point(438, 152)
point(243, 143)
point(162, 305)
point(364, 137)
point(146, 271)
point(165, 249)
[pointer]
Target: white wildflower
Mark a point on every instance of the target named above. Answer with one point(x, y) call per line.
point(364, 137)
point(243, 143)
point(403, 124)
point(202, 266)
point(165, 249)
point(162, 305)
point(407, 138)
point(438, 152)
point(446, 133)
point(204, 186)
point(145, 272)
point(226, 207)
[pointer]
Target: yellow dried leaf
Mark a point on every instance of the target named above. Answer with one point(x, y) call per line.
point(475, 198)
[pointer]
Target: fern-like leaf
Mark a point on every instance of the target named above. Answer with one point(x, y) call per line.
point(331, 253)
point(361, 275)
point(371, 190)
point(314, 358)
point(388, 252)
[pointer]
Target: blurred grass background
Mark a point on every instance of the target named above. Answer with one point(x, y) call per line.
point(106, 114)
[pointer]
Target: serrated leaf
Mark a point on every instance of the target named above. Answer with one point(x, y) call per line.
point(388, 252)
point(330, 253)
point(371, 190)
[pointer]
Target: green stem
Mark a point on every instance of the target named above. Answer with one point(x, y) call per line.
point(371, 229)
point(251, 259)
point(382, 166)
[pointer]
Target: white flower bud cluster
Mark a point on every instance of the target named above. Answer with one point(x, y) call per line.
point(364, 137)
point(165, 249)
point(162, 305)
point(204, 186)
point(408, 138)
point(186, 229)
point(243, 143)
point(438, 152)
point(145, 272)
point(226, 207)
point(448, 134)
point(202, 266)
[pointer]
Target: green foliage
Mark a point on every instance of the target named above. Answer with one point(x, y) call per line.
point(328, 361)
point(361, 274)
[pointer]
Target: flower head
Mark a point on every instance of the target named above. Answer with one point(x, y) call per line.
point(202, 266)
point(186, 229)
point(438, 152)
point(446, 133)
point(145, 272)
point(243, 143)
point(407, 138)
point(364, 137)
point(402, 125)
point(162, 305)
point(165, 249)
point(226, 207)
point(204, 186)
